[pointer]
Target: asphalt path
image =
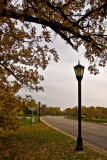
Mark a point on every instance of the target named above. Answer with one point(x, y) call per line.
point(92, 133)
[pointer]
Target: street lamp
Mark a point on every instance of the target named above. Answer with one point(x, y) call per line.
point(79, 71)
point(39, 111)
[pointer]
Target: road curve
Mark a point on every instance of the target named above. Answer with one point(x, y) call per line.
point(92, 133)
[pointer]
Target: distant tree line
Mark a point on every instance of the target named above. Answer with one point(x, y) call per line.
point(53, 111)
point(86, 112)
point(44, 110)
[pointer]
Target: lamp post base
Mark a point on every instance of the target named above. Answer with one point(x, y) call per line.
point(79, 144)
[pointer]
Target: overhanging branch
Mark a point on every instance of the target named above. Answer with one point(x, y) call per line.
point(104, 6)
point(56, 26)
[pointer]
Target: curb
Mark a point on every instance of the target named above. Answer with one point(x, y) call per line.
point(75, 138)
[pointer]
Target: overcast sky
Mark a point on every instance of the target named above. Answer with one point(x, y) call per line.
point(60, 84)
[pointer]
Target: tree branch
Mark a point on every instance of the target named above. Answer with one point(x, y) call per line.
point(60, 28)
point(12, 73)
point(63, 36)
point(10, 35)
point(31, 5)
point(66, 4)
point(104, 6)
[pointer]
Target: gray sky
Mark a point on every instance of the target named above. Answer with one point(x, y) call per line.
point(60, 84)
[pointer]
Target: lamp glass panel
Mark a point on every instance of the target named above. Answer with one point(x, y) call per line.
point(79, 72)
point(76, 71)
point(82, 70)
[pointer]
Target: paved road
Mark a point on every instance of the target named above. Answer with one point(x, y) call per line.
point(92, 133)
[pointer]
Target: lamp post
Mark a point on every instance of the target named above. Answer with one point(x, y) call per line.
point(79, 70)
point(39, 111)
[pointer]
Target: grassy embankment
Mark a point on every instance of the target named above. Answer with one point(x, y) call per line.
point(41, 142)
point(91, 120)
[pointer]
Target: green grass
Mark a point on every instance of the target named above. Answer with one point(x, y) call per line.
point(26, 122)
point(29, 121)
point(99, 121)
point(91, 120)
point(41, 142)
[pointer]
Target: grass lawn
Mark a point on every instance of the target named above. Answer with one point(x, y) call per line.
point(41, 142)
point(91, 120)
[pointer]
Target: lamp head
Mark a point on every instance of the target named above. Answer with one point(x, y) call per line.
point(79, 71)
point(39, 103)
